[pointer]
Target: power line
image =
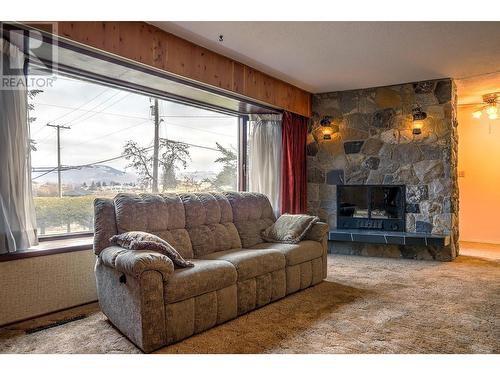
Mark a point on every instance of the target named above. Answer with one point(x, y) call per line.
point(195, 116)
point(146, 118)
point(83, 114)
point(85, 103)
point(169, 123)
point(131, 116)
point(189, 144)
point(74, 109)
point(104, 161)
point(166, 123)
point(77, 118)
point(200, 130)
point(108, 134)
point(79, 107)
point(43, 174)
point(106, 113)
point(41, 169)
point(65, 168)
point(101, 112)
point(89, 111)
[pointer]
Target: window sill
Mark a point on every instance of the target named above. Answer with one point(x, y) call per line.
point(51, 247)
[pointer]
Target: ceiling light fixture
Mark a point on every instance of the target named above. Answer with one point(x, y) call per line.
point(491, 107)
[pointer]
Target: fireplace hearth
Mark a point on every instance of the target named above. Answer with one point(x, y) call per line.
point(373, 207)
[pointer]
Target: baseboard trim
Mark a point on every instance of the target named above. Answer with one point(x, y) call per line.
point(55, 324)
point(47, 313)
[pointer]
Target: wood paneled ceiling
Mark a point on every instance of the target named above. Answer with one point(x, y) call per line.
point(151, 46)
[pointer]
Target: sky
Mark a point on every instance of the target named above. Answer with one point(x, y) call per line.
point(103, 119)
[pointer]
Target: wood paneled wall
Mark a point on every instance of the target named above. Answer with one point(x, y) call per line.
point(152, 46)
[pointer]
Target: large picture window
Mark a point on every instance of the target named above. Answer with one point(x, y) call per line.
point(90, 140)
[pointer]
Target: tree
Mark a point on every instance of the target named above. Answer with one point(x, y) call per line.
point(31, 107)
point(33, 145)
point(31, 97)
point(189, 184)
point(227, 178)
point(141, 161)
point(171, 155)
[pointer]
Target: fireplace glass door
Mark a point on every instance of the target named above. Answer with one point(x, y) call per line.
point(355, 203)
point(384, 203)
point(379, 207)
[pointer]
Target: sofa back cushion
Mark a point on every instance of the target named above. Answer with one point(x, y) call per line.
point(209, 222)
point(252, 213)
point(195, 224)
point(160, 214)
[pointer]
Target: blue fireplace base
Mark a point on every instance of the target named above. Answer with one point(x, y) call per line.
point(388, 238)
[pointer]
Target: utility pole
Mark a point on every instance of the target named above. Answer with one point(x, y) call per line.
point(156, 145)
point(58, 128)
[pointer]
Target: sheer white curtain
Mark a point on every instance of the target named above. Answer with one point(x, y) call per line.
point(17, 213)
point(264, 158)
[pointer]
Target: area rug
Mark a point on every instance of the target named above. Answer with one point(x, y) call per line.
point(366, 305)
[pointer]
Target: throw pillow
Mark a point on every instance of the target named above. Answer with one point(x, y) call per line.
point(289, 228)
point(136, 240)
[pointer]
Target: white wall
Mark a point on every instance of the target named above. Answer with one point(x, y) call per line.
point(39, 285)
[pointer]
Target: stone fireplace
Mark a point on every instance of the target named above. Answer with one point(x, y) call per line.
point(372, 144)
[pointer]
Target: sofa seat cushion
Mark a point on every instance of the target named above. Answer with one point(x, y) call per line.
point(206, 276)
point(251, 263)
point(295, 253)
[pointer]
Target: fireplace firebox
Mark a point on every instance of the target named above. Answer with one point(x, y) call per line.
point(374, 207)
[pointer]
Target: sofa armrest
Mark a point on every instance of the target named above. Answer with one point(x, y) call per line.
point(135, 262)
point(317, 232)
point(130, 288)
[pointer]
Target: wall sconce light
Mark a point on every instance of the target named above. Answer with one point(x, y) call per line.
point(327, 128)
point(418, 120)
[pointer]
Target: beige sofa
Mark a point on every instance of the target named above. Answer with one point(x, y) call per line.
point(235, 271)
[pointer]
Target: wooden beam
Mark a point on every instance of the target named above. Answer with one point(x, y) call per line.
point(147, 44)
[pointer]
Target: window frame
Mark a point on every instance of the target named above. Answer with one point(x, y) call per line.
point(241, 138)
point(246, 106)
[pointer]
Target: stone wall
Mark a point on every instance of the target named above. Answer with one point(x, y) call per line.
point(373, 143)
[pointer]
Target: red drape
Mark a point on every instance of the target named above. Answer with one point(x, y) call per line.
point(293, 165)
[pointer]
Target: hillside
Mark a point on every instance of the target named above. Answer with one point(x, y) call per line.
point(96, 173)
